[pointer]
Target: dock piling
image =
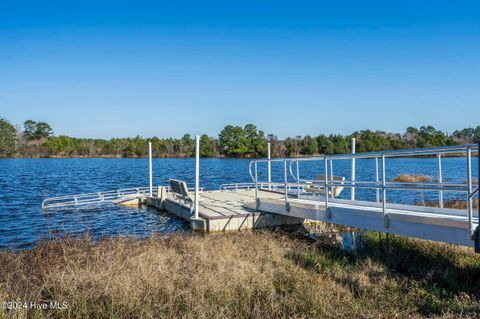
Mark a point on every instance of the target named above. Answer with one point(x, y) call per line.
point(197, 172)
point(150, 168)
point(353, 170)
point(269, 156)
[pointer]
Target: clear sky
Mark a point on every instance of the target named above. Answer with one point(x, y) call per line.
point(117, 68)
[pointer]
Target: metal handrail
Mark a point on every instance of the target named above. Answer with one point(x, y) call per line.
point(260, 161)
point(103, 192)
point(385, 185)
point(90, 198)
point(375, 155)
point(263, 186)
point(391, 185)
point(370, 155)
point(396, 153)
point(236, 186)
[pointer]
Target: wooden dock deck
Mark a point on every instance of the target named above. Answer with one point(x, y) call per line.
point(225, 210)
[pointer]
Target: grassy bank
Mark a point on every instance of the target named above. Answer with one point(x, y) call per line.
point(249, 274)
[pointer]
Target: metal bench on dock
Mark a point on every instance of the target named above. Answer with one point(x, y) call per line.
point(179, 190)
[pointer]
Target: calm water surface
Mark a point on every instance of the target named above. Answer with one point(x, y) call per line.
point(24, 183)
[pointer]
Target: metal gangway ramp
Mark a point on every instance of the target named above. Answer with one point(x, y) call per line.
point(96, 198)
point(442, 224)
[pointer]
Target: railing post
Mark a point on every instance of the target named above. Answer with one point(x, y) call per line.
point(440, 180)
point(469, 190)
point(257, 202)
point(197, 173)
point(331, 173)
point(298, 179)
point(269, 156)
point(150, 175)
point(384, 194)
point(377, 181)
point(352, 197)
point(286, 184)
point(477, 230)
point(325, 182)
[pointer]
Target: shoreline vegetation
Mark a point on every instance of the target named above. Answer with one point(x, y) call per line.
point(37, 140)
point(250, 274)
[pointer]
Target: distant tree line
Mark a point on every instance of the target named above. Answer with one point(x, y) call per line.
point(37, 139)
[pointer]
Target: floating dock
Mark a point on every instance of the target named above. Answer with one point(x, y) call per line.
point(292, 200)
point(222, 210)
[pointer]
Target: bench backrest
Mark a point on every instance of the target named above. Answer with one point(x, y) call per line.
point(179, 189)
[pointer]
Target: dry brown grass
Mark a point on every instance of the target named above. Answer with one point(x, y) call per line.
point(412, 178)
point(237, 275)
point(451, 203)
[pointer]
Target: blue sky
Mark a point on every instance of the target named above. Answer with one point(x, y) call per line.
point(105, 69)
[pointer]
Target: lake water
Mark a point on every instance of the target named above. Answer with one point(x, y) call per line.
point(24, 183)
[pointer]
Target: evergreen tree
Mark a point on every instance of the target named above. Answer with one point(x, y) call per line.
point(233, 141)
point(36, 130)
point(187, 148)
point(207, 146)
point(8, 136)
point(309, 145)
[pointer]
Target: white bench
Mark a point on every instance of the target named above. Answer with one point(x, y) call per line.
point(179, 189)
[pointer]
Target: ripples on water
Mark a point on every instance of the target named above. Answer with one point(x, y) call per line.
point(24, 183)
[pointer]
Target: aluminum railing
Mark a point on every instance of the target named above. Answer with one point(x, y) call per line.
point(273, 187)
point(380, 183)
point(236, 186)
point(93, 198)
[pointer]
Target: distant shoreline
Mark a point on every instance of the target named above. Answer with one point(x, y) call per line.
point(37, 140)
point(123, 157)
point(474, 154)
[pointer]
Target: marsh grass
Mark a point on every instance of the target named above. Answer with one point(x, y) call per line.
point(254, 274)
point(412, 178)
point(454, 203)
